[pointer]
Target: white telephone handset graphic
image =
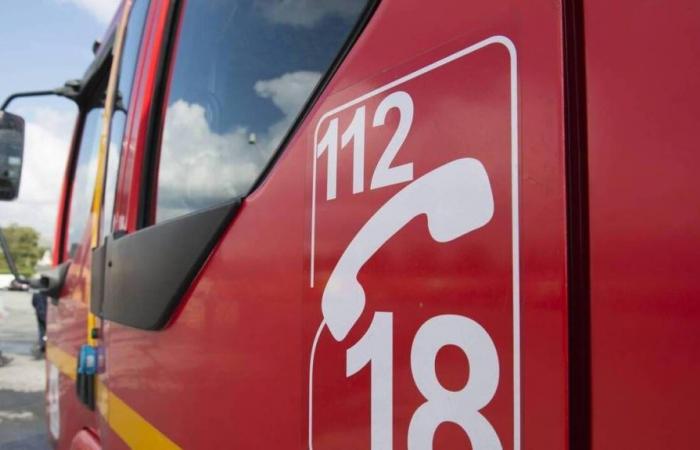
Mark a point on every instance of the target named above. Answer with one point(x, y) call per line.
point(456, 199)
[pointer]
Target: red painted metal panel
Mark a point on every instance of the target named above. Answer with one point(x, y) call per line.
point(643, 68)
point(235, 362)
point(85, 440)
point(66, 329)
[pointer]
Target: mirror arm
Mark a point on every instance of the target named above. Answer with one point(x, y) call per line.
point(8, 257)
point(9, 99)
point(70, 90)
point(51, 282)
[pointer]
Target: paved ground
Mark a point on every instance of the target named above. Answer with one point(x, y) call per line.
point(22, 421)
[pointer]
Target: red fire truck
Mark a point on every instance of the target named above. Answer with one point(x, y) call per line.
point(359, 224)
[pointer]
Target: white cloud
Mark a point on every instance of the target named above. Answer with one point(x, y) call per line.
point(47, 138)
point(103, 10)
point(289, 91)
point(306, 13)
point(203, 167)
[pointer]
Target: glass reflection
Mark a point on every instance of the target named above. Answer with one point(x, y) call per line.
point(243, 71)
point(84, 180)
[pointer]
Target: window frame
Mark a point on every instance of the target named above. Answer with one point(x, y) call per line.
point(91, 97)
point(107, 227)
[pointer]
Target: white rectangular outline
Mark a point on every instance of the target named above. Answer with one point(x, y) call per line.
point(508, 44)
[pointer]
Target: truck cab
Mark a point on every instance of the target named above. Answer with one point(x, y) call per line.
point(379, 224)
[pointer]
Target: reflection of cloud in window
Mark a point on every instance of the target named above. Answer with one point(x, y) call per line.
point(200, 167)
point(307, 13)
point(288, 93)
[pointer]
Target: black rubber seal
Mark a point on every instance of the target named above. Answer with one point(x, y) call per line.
point(578, 253)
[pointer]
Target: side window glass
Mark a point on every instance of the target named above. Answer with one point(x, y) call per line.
point(84, 181)
point(242, 72)
point(127, 69)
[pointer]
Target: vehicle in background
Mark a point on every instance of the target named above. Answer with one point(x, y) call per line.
point(17, 286)
point(379, 224)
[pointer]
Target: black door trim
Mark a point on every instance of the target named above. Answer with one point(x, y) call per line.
point(578, 258)
point(140, 278)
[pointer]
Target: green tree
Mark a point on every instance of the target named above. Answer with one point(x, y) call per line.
point(25, 248)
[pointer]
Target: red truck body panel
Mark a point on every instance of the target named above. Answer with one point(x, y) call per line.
point(643, 109)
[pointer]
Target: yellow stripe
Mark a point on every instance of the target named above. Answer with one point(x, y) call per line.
point(65, 362)
point(129, 425)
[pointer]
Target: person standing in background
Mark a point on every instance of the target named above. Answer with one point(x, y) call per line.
point(39, 304)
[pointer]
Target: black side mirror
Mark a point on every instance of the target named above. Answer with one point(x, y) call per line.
point(11, 153)
point(51, 281)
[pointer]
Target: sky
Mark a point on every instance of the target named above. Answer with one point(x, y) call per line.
point(45, 43)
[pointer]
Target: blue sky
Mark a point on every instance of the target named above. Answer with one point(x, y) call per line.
point(44, 43)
